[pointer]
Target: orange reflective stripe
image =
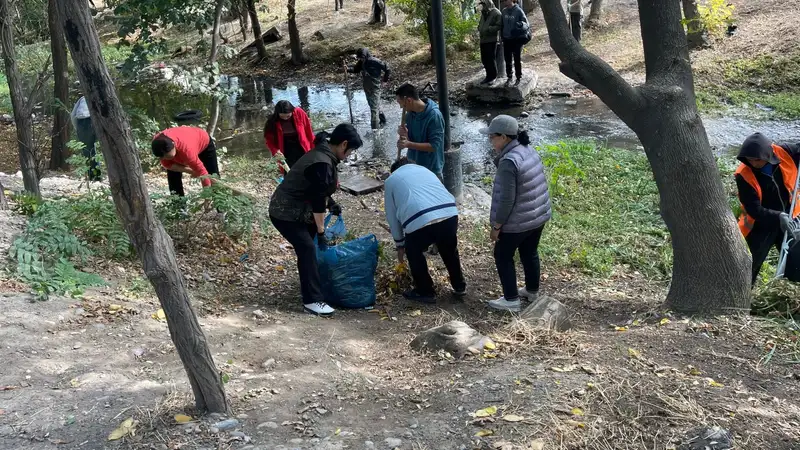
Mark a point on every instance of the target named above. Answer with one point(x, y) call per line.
point(789, 171)
point(746, 222)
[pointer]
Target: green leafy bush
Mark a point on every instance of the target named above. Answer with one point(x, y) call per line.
point(715, 15)
point(460, 21)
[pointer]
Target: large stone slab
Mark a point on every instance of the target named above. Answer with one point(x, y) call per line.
point(360, 185)
point(546, 313)
point(455, 337)
point(499, 91)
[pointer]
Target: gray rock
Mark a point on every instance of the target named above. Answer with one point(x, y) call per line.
point(455, 337)
point(318, 36)
point(546, 312)
point(369, 444)
point(500, 92)
point(228, 424)
point(242, 416)
point(268, 364)
point(393, 442)
point(524, 114)
point(213, 430)
point(296, 441)
point(475, 197)
point(712, 438)
point(259, 314)
point(270, 425)
point(6, 118)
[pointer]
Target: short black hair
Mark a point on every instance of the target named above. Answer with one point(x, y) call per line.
point(407, 90)
point(162, 145)
point(400, 163)
point(342, 132)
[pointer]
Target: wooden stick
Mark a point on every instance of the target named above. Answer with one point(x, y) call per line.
point(402, 124)
point(347, 91)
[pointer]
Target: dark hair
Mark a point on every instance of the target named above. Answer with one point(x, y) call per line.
point(407, 90)
point(521, 137)
point(282, 107)
point(342, 132)
point(400, 163)
point(162, 145)
point(362, 53)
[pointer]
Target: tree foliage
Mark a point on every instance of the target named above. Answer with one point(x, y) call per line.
point(459, 22)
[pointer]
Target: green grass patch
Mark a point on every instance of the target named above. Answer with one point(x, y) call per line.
point(5, 96)
point(605, 211)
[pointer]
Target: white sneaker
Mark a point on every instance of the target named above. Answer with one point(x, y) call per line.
point(505, 305)
point(529, 296)
point(319, 308)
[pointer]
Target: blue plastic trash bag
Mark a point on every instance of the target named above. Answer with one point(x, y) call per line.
point(335, 231)
point(347, 272)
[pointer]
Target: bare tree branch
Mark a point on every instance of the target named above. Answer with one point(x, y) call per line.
point(44, 75)
point(587, 68)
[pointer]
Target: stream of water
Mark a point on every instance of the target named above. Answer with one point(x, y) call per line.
point(242, 117)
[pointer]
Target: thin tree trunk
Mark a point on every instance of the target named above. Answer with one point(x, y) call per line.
point(215, 36)
point(251, 9)
point(212, 123)
point(695, 32)
point(152, 243)
point(58, 151)
point(244, 18)
point(294, 35)
point(22, 108)
point(711, 266)
point(595, 15)
point(3, 199)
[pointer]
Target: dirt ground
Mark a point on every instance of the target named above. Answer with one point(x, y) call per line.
point(627, 376)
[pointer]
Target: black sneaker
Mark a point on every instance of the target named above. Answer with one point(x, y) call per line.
point(459, 293)
point(485, 81)
point(417, 297)
point(508, 81)
point(516, 83)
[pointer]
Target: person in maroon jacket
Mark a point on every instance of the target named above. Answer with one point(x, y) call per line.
point(185, 150)
point(288, 132)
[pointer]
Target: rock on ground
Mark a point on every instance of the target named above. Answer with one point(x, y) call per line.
point(713, 438)
point(546, 313)
point(455, 337)
point(499, 91)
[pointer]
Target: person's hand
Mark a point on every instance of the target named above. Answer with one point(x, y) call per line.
point(401, 255)
point(495, 234)
point(402, 143)
point(335, 209)
point(402, 130)
point(786, 222)
point(322, 241)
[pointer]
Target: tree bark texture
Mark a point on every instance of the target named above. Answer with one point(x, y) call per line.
point(215, 35)
point(711, 265)
point(294, 35)
point(212, 122)
point(58, 150)
point(695, 32)
point(256, 25)
point(21, 106)
point(595, 14)
point(152, 243)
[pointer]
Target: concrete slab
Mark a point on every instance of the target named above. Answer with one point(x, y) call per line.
point(499, 91)
point(360, 185)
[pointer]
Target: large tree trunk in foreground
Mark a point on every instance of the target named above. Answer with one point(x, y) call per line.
point(711, 268)
point(695, 32)
point(256, 25)
point(128, 188)
point(58, 151)
point(294, 35)
point(21, 107)
point(215, 36)
point(595, 15)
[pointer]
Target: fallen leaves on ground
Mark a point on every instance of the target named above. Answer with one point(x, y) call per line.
point(577, 412)
point(486, 412)
point(564, 369)
point(484, 433)
point(183, 418)
point(633, 353)
point(127, 427)
point(159, 315)
point(513, 418)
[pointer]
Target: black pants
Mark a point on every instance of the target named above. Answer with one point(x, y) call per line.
point(445, 235)
point(575, 23)
point(487, 59)
point(209, 159)
point(301, 236)
point(85, 133)
point(761, 241)
point(339, 4)
point(512, 49)
point(528, 245)
point(292, 151)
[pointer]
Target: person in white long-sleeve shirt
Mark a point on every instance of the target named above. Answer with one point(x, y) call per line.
point(420, 213)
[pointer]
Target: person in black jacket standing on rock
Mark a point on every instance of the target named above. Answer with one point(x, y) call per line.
point(766, 180)
point(371, 69)
point(297, 208)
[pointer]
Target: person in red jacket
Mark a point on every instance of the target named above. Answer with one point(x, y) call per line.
point(288, 132)
point(185, 150)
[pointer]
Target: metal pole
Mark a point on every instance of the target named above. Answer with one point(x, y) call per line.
point(437, 20)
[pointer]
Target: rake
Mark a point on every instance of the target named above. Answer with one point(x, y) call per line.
point(788, 236)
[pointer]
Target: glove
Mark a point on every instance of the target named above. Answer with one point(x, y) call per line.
point(335, 209)
point(786, 222)
point(322, 241)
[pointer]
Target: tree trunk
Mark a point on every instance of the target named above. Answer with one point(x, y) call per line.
point(215, 36)
point(3, 199)
point(152, 243)
point(294, 35)
point(58, 152)
point(595, 15)
point(21, 107)
point(695, 32)
point(243, 14)
point(212, 122)
point(251, 9)
point(711, 266)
